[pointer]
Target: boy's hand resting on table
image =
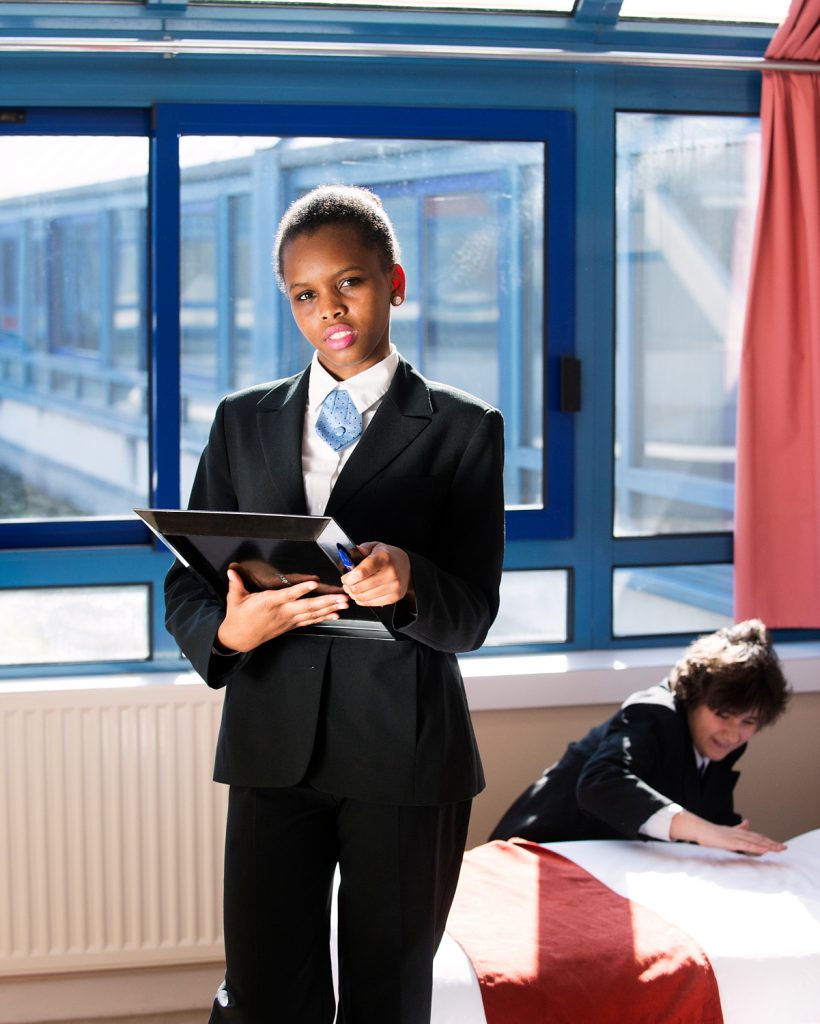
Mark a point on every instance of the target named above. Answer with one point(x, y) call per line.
point(252, 618)
point(382, 577)
point(694, 829)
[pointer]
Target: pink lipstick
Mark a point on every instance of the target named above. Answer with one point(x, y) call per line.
point(339, 336)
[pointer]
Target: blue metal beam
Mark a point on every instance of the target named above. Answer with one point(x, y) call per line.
point(598, 12)
point(594, 28)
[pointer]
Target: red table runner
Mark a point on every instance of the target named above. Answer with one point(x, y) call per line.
point(550, 944)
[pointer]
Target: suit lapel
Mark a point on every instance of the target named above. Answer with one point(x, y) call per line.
point(405, 412)
point(280, 416)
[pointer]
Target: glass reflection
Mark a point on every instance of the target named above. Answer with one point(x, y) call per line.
point(686, 201)
point(73, 377)
point(654, 600)
point(470, 219)
point(533, 609)
point(56, 625)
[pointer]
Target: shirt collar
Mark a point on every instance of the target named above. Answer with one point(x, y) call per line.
point(364, 388)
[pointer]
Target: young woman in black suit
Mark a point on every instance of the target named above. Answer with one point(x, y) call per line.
point(340, 750)
point(663, 766)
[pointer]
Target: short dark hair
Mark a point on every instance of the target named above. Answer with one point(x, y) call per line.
point(734, 670)
point(338, 204)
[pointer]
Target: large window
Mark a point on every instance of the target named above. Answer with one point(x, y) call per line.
point(574, 186)
point(92, 425)
point(126, 316)
point(485, 229)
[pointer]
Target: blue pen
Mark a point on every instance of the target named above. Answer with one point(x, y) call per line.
point(346, 557)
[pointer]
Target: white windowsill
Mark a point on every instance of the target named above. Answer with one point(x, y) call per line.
point(499, 682)
point(599, 677)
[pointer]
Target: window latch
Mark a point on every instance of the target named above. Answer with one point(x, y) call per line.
point(570, 388)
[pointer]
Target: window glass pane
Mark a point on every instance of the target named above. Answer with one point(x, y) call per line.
point(460, 267)
point(241, 304)
point(75, 298)
point(529, 423)
point(73, 379)
point(229, 311)
point(469, 217)
point(198, 289)
point(128, 249)
point(57, 625)
point(770, 11)
point(686, 200)
point(671, 599)
point(533, 608)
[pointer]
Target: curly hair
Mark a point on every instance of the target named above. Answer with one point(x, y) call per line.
point(735, 671)
point(332, 205)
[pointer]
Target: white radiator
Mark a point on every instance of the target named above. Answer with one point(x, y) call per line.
point(111, 830)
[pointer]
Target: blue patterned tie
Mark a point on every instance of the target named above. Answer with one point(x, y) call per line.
point(339, 422)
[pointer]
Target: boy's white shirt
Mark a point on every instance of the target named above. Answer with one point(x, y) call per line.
point(321, 466)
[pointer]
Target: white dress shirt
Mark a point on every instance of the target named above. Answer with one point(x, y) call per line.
point(321, 466)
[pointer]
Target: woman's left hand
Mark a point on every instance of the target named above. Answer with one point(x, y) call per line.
point(383, 576)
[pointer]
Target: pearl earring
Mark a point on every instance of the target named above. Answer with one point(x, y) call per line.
point(397, 300)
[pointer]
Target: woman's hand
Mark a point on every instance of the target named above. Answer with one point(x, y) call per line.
point(382, 577)
point(694, 829)
point(252, 618)
point(262, 575)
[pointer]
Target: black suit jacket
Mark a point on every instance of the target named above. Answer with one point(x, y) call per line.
point(623, 771)
point(376, 720)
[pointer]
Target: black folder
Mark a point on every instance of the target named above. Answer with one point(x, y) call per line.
point(269, 552)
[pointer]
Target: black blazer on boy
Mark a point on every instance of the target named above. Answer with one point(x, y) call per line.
point(610, 782)
point(374, 720)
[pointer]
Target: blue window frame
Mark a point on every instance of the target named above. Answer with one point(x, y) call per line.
point(555, 129)
point(60, 358)
point(186, 235)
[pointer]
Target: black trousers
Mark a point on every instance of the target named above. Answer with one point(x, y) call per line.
point(398, 868)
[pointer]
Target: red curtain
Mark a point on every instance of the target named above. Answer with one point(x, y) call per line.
point(777, 509)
